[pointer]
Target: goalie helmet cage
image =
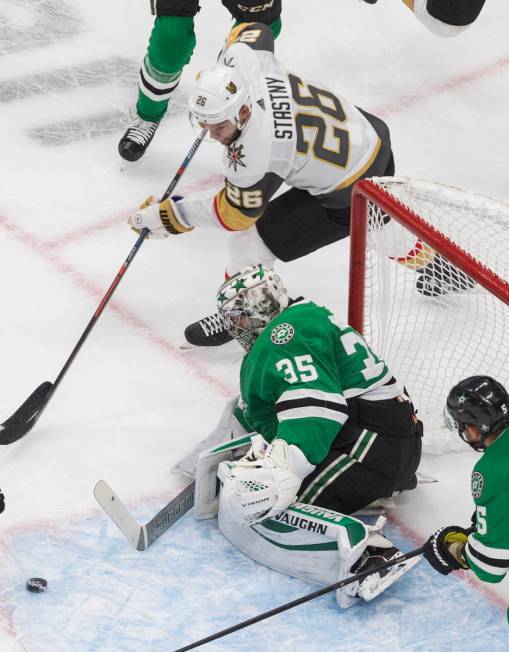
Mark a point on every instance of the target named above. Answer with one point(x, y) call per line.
point(429, 289)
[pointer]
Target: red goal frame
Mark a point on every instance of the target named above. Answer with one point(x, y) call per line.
point(367, 190)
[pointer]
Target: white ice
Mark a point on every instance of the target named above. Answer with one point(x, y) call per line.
point(133, 402)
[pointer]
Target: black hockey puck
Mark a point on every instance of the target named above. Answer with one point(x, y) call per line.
point(37, 585)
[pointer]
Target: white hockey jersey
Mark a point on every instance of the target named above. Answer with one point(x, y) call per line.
point(297, 133)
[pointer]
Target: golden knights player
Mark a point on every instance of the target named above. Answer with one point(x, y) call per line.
point(276, 127)
point(333, 431)
point(444, 17)
point(478, 408)
point(170, 48)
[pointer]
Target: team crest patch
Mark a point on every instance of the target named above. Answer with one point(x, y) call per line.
point(235, 156)
point(476, 483)
point(282, 334)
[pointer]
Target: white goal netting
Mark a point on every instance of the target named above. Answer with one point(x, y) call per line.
point(432, 295)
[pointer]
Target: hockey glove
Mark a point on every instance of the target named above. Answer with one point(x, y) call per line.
point(255, 490)
point(161, 219)
point(444, 549)
point(2, 502)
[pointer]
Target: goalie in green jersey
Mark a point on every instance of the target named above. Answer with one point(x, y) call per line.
point(478, 409)
point(331, 430)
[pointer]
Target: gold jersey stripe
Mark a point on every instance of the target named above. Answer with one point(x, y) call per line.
point(359, 173)
point(230, 217)
point(234, 34)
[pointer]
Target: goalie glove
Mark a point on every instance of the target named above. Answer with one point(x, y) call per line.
point(255, 490)
point(444, 549)
point(161, 219)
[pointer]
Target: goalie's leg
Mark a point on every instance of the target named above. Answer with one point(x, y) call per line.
point(319, 546)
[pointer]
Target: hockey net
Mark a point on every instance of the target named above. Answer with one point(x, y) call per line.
point(429, 288)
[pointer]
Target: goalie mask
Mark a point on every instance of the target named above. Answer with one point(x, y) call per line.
point(248, 301)
point(479, 401)
point(219, 95)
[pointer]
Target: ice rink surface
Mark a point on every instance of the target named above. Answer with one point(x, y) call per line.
point(133, 402)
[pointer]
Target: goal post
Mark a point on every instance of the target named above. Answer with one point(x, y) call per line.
point(429, 287)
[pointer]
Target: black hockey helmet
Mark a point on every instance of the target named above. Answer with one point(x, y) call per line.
point(480, 401)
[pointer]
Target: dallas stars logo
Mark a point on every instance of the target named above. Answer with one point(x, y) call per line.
point(476, 483)
point(282, 334)
point(235, 156)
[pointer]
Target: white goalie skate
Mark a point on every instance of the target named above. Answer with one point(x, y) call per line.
point(379, 551)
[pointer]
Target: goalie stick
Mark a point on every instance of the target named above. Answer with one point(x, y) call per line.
point(26, 416)
point(143, 536)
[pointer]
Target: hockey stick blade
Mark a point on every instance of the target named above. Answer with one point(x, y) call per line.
point(143, 536)
point(25, 417)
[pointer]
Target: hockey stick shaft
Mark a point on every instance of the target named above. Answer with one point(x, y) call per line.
point(306, 598)
point(26, 416)
point(142, 536)
point(169, 515)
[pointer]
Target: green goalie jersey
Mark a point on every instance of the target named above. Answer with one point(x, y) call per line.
point(487, 550)
point(297, 378)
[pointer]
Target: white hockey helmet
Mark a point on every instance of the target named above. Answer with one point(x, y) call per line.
point(219, 95)
point(248, 301)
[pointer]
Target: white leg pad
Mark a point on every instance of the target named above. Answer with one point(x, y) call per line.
point(227, 428)
point(304, 541)
point(206, 494)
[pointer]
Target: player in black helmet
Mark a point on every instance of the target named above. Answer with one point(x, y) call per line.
point(478, 408)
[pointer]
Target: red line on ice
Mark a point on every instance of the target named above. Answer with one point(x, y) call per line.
point(120, 309)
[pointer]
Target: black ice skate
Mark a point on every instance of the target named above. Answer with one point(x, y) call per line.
point(136, 139)
point(209, 331)
point(440, 277)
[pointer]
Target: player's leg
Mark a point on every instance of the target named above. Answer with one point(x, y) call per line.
point(170, 47)
point(440, 277)
point(364, 464)
point(446, 17)
point(318, 545)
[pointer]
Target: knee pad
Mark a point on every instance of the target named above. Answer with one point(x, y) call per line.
point(187, 8)
point(249, 11)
